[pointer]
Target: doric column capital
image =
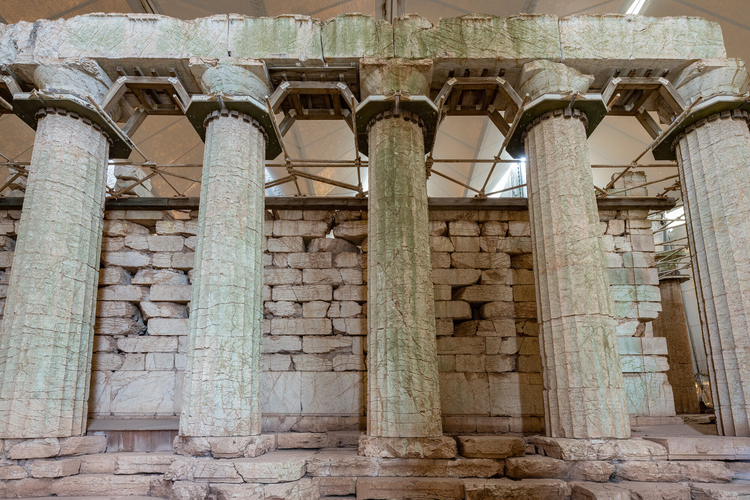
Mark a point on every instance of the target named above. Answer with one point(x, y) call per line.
point(554, 89)
point(396, 88)
point(237, 87)
point(74, 89)
point(710, 77)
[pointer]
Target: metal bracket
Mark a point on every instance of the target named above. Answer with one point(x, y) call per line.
point(420, 105)
point(591, 104)
point(201, 105)
point(26, 105)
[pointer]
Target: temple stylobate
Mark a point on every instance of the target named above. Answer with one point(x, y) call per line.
point(219, 341)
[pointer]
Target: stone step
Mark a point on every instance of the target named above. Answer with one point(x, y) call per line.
point(412, 488)
point(508, 489)
point(629, 489)
point(85, 485)
point(705, 448)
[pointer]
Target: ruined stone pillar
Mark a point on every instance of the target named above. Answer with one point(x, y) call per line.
point(222, 391)
point(672, 325)
point(47, 334)
point(714, 159)
point(403, 398)
point(583, 385)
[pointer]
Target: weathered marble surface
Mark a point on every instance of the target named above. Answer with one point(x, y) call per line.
point(222, 394)
point(714, 159)
point(671, 325)
point(48, 329)
point(584, 395)
point(402, 381)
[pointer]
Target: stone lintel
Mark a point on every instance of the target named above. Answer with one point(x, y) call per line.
point(407, 447)
point(225, 447)
point(633, 449)
point(705, 447)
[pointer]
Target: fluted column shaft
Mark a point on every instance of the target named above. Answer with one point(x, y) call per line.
point(583, 386)
point(714, 160)
point(222, 377)
point(402, 376)
point(47, 334)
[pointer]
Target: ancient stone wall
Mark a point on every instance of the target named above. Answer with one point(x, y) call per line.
point(314, 359)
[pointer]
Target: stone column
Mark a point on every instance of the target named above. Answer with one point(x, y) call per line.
point(672, 325)
point(403, 398)
point(583, 386)
point(47, 335)
point(222, 391)
point(714, 159)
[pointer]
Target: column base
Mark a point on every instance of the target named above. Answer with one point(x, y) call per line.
point(26, 449)
point(225, 447)
point(407, 447)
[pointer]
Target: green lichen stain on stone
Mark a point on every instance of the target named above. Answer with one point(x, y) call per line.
point(286, 37)
point(357, 35)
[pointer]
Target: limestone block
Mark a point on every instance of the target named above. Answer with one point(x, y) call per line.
point(347, 259)
point(594, 470)
point(350, 326)
point(491, 446)
point(159, 361)
point(148, 344)
point(349, 362)
point(128, 396)
point(286, 244)
point(649, 394)
point(440, 260)
point(516, 394)
point(704, 472)
point(127, 293)
point(502, 363)
point(159, 276)
point(465, 243)
point(102, 484)
point(113, 276)
point(479, 294)
point(455, 309)
point(327, 276)
point(498, 489)
point(599, 449)
point(55, 468)
point(509, 245)
point(118, 326)
point(301, 326)
point(319, 345)
point(153, 310)
point(273, 468)
point(182, 227)
point(442, 292)
point(305, 440)
point(334, 246)
point(536, 466)
point(312, 363)
point(303, 489)
point(444, 326)
point(305, 293)
point(12, 472)
point(83, 445)
point(110, 309)
point(718, 491)
point(282, 276)
point(170, 293)
point(163, 243)
point(283, 308)
point(706, 448)
point(498, 310)
point(480, 260)
point(203, 470)
point(456, 277)
point(123, 228)
point(281, 392)
point(461, 345)
point(305, 260)
point(307, 229)
point(332, 392)
point(34, 448)
point(280, 344)
point(463, 228)
point(136, 241)
point(407, 447)
point(354, 231)
point(464, 394)
point(344, 309)
point(593, 491)
point(127, 259)
point(438, 228)
point(335, 486)
point(350, 292)
point(478, 36)
point(497, 277)
point(441, 244)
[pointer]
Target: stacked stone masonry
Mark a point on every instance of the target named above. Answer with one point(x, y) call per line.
point(315, 320)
